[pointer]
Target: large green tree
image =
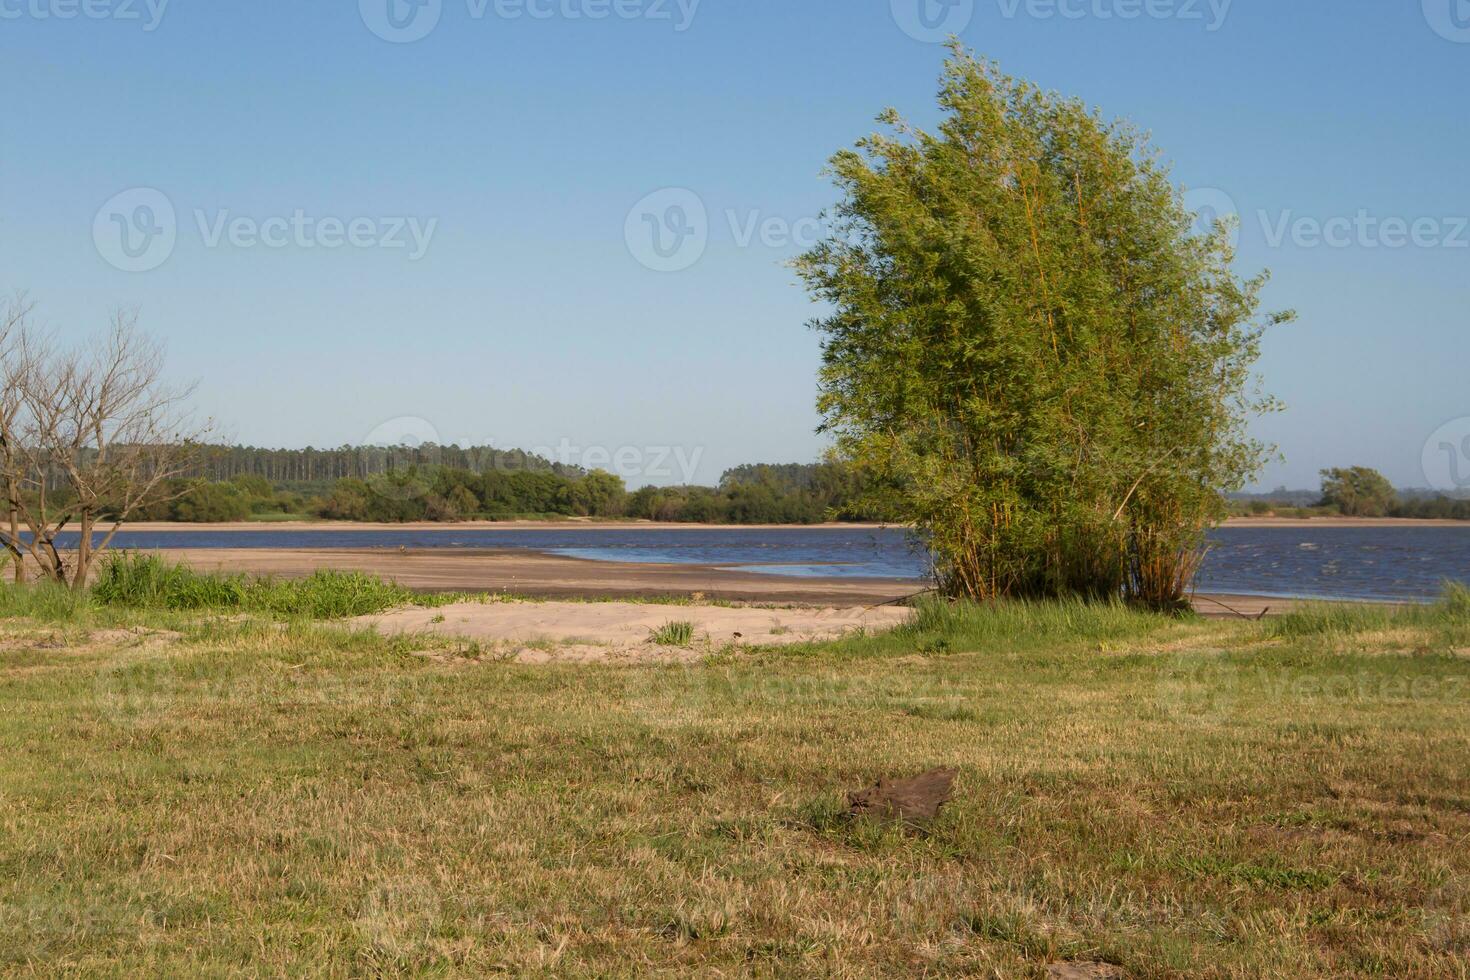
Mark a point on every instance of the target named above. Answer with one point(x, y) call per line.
point(1030, 344)
point(1358, 492)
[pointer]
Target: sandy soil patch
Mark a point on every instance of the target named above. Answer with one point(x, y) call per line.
point(538, 632)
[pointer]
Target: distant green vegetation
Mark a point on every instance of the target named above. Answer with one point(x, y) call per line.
point(752, 494)
point(1356, 491)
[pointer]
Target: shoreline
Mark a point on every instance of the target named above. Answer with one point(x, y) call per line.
point(601, 524)
point(537, 575)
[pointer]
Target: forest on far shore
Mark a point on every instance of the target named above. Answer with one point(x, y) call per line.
point(431, 483)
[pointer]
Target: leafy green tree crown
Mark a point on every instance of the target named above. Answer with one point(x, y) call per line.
point(1031, 344)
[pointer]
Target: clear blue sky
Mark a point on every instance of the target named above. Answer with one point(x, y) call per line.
point(529, 321)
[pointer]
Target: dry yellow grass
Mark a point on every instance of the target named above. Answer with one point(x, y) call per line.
point(229, 797)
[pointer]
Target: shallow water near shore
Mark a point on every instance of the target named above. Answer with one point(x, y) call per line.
point(1365, 563)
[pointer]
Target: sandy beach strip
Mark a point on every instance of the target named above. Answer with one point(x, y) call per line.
point(534, 574)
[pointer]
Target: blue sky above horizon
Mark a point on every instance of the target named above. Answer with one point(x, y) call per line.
point(453, 235)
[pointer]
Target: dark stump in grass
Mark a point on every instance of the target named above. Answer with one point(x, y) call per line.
point(912, 801)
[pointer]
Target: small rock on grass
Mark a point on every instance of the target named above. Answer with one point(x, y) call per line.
point(913, 801)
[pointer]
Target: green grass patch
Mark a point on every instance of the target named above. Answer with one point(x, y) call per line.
point(679, 633)
point(144, 581)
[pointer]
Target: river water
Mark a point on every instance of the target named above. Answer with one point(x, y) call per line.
point(1344, 562)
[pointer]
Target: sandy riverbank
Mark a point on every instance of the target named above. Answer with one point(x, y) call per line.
point(530, 573)
point(545, 632)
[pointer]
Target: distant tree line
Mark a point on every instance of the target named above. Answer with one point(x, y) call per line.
point(309, 465)
point(1356, 491)
point(752, 494)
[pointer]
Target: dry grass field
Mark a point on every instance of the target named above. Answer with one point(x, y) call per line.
point(194, 793)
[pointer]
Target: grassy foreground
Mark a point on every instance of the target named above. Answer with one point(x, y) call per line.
point(189, 793)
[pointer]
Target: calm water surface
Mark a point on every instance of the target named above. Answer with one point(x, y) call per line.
point(1355, 562)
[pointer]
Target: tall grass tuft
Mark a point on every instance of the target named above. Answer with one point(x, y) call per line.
point(1450, 612)
point(47, 601)
point(1016, 620)
point(148, 582)
point(675, 634)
